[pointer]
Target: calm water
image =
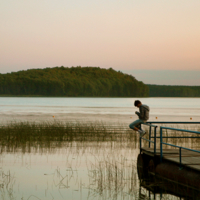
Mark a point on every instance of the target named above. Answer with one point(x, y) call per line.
point(96, 109)
point(81, 170)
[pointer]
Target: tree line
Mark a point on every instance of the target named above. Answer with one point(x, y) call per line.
point(173, 91)
point(85, 82)
point(72, 82)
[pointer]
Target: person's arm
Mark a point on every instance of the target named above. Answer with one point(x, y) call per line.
point(141, 114)
point(137, 113)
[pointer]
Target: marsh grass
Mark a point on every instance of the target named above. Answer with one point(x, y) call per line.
point(27, 135)
point(114, 178)
point(26, 131)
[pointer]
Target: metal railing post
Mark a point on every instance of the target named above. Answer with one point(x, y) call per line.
point(150, 135)
point(161, 153)
point(180, 159)
point(155, 140)
point(140, 140)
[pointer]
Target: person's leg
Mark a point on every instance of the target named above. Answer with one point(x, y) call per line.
point(134, 125)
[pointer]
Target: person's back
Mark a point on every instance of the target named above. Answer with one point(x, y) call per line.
point(144, 112)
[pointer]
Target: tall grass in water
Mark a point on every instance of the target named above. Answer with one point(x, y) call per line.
point(112, 177)
point(26, 135)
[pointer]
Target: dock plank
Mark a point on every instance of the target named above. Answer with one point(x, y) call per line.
point(172, 151)
point(196, 167)
point(185, 160)
point(189, 158)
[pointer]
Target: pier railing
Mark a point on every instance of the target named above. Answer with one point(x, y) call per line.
point(149, 140)
point(152, 139)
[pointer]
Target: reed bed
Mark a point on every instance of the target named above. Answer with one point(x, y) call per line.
point(114, 179)
point(56, 131)
point(27, 135)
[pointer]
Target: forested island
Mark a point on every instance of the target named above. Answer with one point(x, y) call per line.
point(85, 82)
point(71, 82)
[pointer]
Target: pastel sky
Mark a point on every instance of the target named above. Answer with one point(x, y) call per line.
point(125, 35)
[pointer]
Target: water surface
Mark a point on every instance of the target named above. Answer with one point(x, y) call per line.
point(81, 170)
point(96, 109)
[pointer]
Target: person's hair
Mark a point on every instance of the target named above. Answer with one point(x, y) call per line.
point(137, 102)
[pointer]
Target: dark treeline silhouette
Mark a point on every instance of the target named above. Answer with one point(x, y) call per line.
point(173, 91)
point(72, 82)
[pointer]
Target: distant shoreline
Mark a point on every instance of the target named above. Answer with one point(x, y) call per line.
point(40, 96)
point(88, 82)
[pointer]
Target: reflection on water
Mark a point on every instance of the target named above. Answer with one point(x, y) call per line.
point(74, 170)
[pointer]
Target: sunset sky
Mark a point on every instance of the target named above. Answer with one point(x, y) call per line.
point(141, 37)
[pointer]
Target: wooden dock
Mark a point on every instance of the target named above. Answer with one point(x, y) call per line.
point(189, 159)
point(167, 166)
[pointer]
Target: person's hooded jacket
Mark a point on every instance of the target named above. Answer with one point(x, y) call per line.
point(144, 112)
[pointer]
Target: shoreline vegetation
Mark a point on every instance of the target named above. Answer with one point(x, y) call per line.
point(84, 82)
point(26, 134)
point(41, 96)
point(58, 131)
point(173, 91)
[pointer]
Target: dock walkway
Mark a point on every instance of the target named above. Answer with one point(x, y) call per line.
point(189, 158)
point(168, 150)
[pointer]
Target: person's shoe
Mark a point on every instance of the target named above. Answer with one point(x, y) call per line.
point(142, 133)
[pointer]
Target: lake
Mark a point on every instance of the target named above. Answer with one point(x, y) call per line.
point(81, 169)
point(114, 110)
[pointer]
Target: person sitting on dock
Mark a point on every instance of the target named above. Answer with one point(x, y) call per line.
point(143, 117)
